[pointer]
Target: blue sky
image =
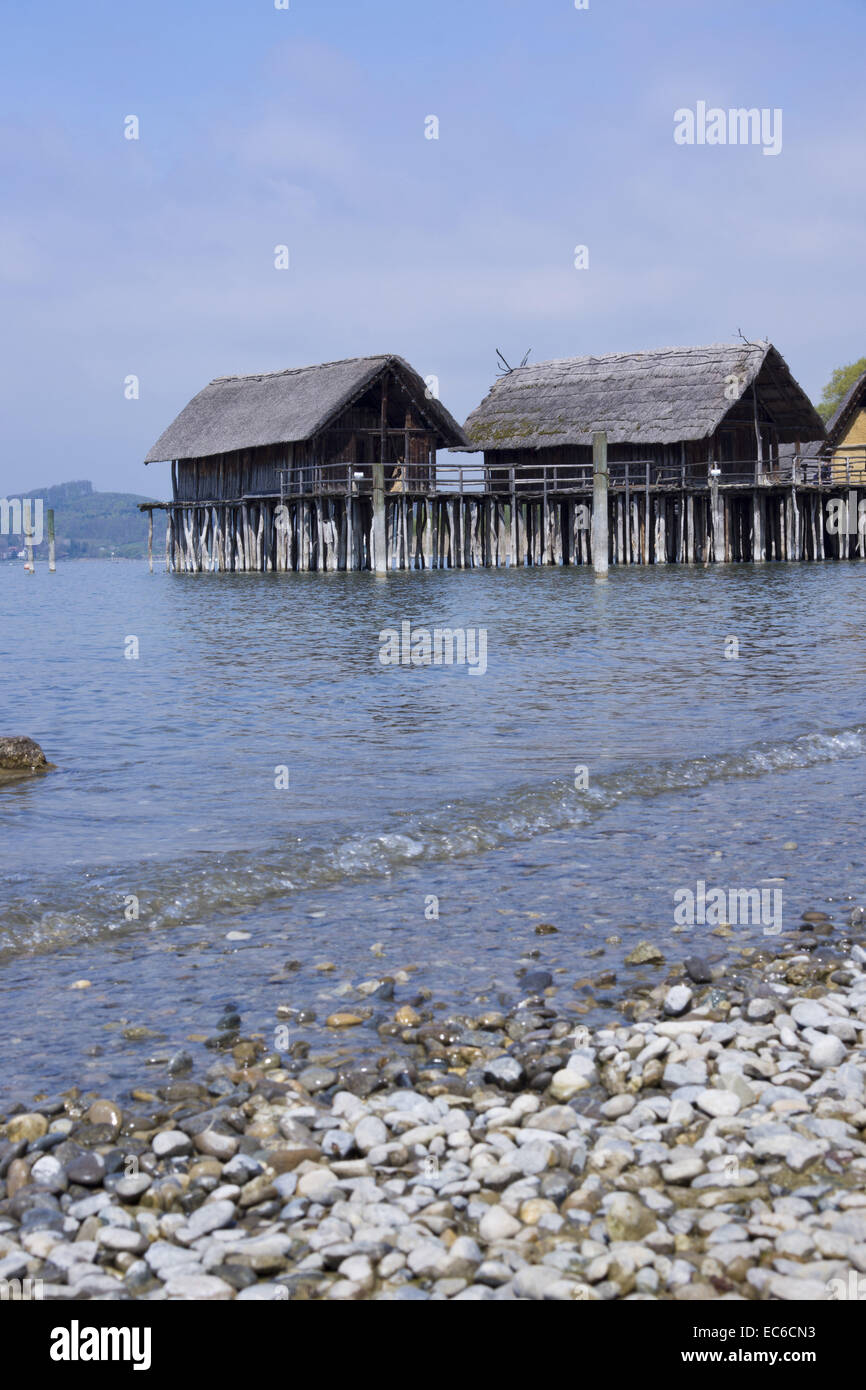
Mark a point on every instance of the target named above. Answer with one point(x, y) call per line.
point(306, 127)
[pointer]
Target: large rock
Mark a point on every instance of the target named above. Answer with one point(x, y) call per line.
point(20, 756)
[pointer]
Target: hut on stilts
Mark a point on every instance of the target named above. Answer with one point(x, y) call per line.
point(315, 468)
point(711, 454)
point(706, 454)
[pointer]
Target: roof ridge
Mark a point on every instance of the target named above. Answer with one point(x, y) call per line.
point(640, 352)
point(310, 367)
point(841, 411)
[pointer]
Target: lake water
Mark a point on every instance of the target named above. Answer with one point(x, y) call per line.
point(410, 789)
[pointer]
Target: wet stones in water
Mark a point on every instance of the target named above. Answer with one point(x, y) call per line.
point(643, 953)
point(360, 1082)
point(181, 1090)
point(399, 1073)
point(546, 929)
point(317, 1079)
point(91, 1136)
point(26, 1128)
point(536, 981)
point(21, 756)
point(407, 1017)
point(698, 969)
point(506, 1072)
point(180, 1063)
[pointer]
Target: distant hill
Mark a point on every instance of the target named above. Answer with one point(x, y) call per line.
point(88, 524)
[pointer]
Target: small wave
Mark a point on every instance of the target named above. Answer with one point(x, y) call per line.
point(86, 905)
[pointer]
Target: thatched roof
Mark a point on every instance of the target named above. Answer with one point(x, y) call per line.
point(245, 412)
point(659, 397)
point(853, 400)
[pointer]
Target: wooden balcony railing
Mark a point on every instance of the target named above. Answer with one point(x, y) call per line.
point(355, 479)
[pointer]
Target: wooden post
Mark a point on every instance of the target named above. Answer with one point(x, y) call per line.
point(599, 504)
point(380, 556)
point(52, 566)
point(759, 450)
point(718, 540)
point(628, 556)
point(661, 547)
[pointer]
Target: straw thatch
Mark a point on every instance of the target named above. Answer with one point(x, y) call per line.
point(661, 397)
point(247, 412)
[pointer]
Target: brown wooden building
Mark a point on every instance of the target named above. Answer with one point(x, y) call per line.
point(307, 431)
point(672, 415)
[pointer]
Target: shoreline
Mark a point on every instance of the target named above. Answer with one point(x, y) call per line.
point(709, 1147)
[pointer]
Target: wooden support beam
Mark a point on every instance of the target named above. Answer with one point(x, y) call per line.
point(600, 538)
point(380, 556)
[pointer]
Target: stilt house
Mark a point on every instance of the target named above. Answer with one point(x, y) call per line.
point(676, 414)
point(307, 431)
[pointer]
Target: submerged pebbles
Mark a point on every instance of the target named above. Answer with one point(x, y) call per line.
point(712, 1146)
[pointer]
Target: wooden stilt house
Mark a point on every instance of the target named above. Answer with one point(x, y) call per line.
point(307, 431)
point(678, 413)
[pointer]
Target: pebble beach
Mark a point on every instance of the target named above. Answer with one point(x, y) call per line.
point(709, 1143)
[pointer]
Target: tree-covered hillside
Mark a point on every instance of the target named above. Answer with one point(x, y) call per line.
point(87, 524)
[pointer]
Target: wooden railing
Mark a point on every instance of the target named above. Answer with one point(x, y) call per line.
point(354, 479)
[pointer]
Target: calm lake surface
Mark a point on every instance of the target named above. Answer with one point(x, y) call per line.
point(405, 784)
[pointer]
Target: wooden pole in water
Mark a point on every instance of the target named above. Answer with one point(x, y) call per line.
point(380, 557)
point(600, 480)
point(51, 555)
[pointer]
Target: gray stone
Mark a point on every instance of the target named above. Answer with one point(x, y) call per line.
point(201, 1287)
point(213, 1216)
point(118, 1239)
point(317, 1078)
point(677, 1000)
point(171, 1143)
point(829, 1051)
point(497, 1223)
point(718, 1103)
point(506, 1072)
point(369, 1133)
point(808, 1013)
